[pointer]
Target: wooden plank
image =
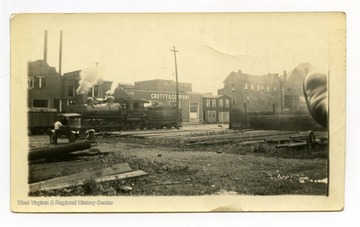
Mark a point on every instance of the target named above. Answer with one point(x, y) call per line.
point(301, 144)
point(251, 142)
point(77, 178)
point(119, 176)
point(41, 172)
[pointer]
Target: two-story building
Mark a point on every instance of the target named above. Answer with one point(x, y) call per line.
point(216, 109)
point(44, 85)
point(49, 89)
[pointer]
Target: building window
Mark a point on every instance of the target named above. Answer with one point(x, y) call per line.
point(246, 86)
point(173, 103)
point(43, 82)
point(94, 91)
point(40, 103)
point(193, 107)
point(275, 89)
point(267, 88)
point(258, 87)
point(221, 103)
point(268, 100)
point(252, 87)
point(262, 87)
point(207, 102)
point(39, 82)
point(227, 103)
point(213, 102)
point(36, 82)
point(31, 82)
point(71, 91)
point(233, 101)
point(248, 100)
point(233, 88)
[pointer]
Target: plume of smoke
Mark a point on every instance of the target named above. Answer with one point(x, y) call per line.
point(114, 85)
point(89, 77)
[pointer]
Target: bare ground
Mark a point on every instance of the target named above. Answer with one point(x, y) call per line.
point(216, 170)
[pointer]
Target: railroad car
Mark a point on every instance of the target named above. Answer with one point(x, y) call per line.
point(238, 119)
point(161, 116)
point(272, 121)
point(41, 120)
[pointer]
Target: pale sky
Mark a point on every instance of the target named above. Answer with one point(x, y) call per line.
point(136, 47)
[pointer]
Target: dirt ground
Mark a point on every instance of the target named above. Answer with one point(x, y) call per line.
point(215, 170)
point(190, 172)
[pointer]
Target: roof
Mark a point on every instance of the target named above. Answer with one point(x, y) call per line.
point(301, 69)
point(252, 78)
point(172, 92)
point(41, 68)
point(215, 96)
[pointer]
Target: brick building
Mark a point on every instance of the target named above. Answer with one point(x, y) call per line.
point(49, 89)
point(71, 83)
point(162, 85)
point(43, 85)
point(216, 109)
point(163, 92)
point(293, 95)
point(252, 93)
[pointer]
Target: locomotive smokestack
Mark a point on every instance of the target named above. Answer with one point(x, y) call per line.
point(45, 45)
point(60, 52)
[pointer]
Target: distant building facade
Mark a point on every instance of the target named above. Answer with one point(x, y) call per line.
point(293, 95)
point(216, 109)
point(162, 85)
point(49, 89)
point(163, 92)
point(44, 85)
point(251, 93)
point(72, 95)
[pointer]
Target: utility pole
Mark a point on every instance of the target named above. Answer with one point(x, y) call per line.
point(60, 52)
point(177, 91)
point(45, 45)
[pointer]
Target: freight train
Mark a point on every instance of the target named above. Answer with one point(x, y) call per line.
point(272, 121)
point(127, 114)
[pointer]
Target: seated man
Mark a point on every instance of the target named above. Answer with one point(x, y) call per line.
point(57, 128)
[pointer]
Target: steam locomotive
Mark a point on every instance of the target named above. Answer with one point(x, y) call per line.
point(126, 114)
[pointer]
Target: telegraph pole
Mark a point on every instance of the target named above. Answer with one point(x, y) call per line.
point(177, 91)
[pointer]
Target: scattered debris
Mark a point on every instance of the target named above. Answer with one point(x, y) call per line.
point(126, 188)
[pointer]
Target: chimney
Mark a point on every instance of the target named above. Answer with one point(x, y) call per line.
point(45, 45)
point(60, 52)
point(240, 71)
point(285, 76)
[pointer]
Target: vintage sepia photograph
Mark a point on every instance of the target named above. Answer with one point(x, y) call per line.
point(177, 112)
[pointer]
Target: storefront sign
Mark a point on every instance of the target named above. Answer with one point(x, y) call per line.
point(168, 96)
